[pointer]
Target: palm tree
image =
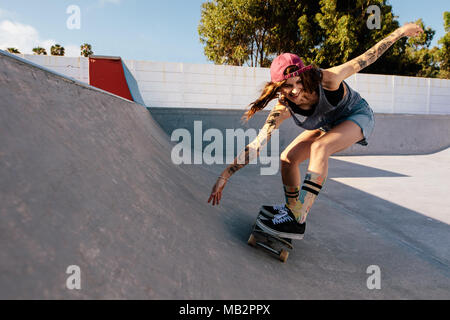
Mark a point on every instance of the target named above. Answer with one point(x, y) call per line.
point(86, 50)
point(13, 50)
point(40, 51)
point(57, 50)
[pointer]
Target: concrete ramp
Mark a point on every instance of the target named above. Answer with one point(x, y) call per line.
point(86, 179)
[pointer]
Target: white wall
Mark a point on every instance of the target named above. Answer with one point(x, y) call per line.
point(77, 68)
point(166, 84)
point(397, 94)
point(197, 85)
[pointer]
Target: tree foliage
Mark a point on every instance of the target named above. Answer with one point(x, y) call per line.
point(252, 31)
point(443, 54)
point(324, 32)
point(39, 51)
point(13, 50)
point(57, 50)
point(345, 35)
point(86, 50)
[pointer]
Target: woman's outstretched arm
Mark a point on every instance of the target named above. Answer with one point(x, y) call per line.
point(333, 77)
point(278, 114)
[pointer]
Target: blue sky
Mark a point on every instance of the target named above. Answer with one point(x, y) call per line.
point(142, 29)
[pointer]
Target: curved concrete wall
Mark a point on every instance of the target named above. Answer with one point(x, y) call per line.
point(394, 134)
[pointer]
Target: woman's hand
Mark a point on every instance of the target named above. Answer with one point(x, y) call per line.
point(411, 30)
point(282, 100)
point(216, 193)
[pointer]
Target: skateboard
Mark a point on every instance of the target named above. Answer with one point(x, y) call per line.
point(275, 245)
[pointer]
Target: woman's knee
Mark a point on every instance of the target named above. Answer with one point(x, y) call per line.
point(320, 149)
point(300, 149)
point(285, 161)
point(288, 158)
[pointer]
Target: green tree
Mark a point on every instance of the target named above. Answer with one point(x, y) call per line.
point(13, 50)
point(418, 59)
point(40, 51)
point(443, 54)
point(224, 30)
point(255, 31)
point(293, 30)
point(86, 50)
point(57, 50)
point(346, 35)
point(325, 32)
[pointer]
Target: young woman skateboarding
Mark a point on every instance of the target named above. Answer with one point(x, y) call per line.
point(334, 116)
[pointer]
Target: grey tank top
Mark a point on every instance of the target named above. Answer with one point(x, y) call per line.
point(324, 112)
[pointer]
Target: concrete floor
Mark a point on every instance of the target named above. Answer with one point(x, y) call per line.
point(418, 183)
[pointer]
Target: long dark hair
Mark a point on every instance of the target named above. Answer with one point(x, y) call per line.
point(310, 80)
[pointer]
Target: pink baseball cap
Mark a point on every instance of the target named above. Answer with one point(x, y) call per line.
point(283, 61)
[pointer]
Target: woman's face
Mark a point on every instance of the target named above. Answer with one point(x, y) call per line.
point(293, 90)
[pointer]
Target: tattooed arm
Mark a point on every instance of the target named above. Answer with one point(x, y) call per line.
point(333, 77)
point(278, 114)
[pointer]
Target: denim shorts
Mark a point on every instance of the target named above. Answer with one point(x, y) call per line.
point(361, 114)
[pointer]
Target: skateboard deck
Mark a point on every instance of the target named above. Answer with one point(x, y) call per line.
point(273, 244)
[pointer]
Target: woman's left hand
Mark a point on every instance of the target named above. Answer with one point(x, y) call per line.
point(411, 30)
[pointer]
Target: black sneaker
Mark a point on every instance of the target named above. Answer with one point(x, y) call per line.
point(283, 225)
point(269, 212)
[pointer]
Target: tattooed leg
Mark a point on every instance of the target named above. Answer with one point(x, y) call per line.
point(292, 194)
point(311, 187)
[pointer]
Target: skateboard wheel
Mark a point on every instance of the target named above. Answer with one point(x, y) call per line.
point(252, 241)
point(284, 255)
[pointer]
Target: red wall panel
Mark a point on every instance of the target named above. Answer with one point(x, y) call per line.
point(107, 74)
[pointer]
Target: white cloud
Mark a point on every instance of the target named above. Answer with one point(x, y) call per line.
point(25, 38)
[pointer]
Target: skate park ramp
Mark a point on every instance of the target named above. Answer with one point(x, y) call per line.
point(86, 179)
